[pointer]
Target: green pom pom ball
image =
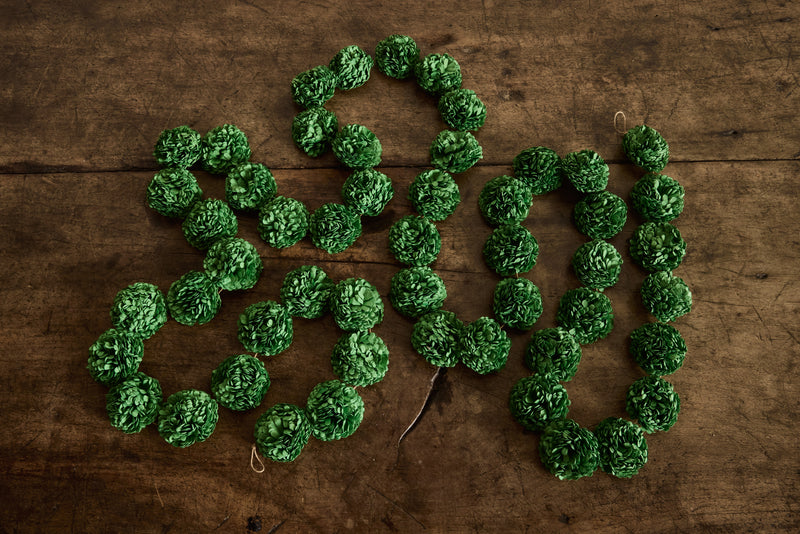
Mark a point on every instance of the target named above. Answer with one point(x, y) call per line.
point(360, 359)
point(334, 227)
point(193, 299)
point(240, 382)
point(653, 402)
point(281, 432)
point(233, 264)
point(666, 296)
point(569, 451)
point(462, 110)
point(517, 303)
point(396, 56)
point(645, 147)
point(539, 168)
point(657, 246)
point(367, 192)
point(314, 87)
point(140, 309)
point(537, 400)
point(306, 292)
point(504, 200)
point(597, 264)
point(356, 305)
point(313, 130)
point(455, 152)
point(414, 241)
point(622, 447)
point(586, 314)
point(438, 73)
point(115, 356)
point(436, 337)
point(554, 352)
point(248, 186)
point(282, 222)
point(658, 348)
point(416, 291)
point(335, 410)
point(484, 346)
point(586, 170)
point(187, 417)
point(510, 249)
point(434, 194)
point(224, 148)
point(173, 192)
point(133, 404)
point(600, 215)
point(265, 328)
point(355, 146)
point(209, 221)
point(351, 65)
point(657, 197)
point(179, 147)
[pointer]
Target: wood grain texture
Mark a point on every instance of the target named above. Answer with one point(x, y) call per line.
point(88, 87)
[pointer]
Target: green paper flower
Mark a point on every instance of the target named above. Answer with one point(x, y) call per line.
point(434, 194)
point(600, 215)
point(133, 404)
point(351, 65)
point(539, 168)
point(653, 402)
point(503, 200)
point(436, 337)
point(355, 146)
point(484, 346)
point(666, 296)
point(115, 356)
point(586, 314)
point(139, 309)
point(622, 447)
point(314, 129)
point(187, 417)
point(657, 197)
point(415, 241)
point(248, 186)
point(438, 73)
point(335, 410)
point(265, 328)
point(360, 358)
point(367, 192)
point(569, 451)
point(396, 56)
point(313, 87)
point(240, 382)
point(597, 264)
point(179, 147)
point(306, 292)
point(517, 303)
point(657, 246)
point(334, 227)
point(193, 299)
point(224, 148)
point(233, 263)
point(281, 432)
point(282, 222)
point(462, 110)
point(538, 400)
point(658, 348)
point(586, 170)
point(356, 305)
point(554, 352)
point(510, 249)
point(173, 192)
point(208, 221)
point(416, 291)
point(645, 147)
point(455, 152)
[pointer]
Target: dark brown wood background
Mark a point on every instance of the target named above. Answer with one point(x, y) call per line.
point(85, 89)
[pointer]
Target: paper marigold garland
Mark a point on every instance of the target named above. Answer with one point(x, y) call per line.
point(173, 192)
point(208, 221)
point(133, 403)
point(335, 410)
point(193, 299)
point(187, 417)
point(281, 432)
point(178, 148)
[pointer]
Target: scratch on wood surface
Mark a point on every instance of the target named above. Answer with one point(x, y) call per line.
point(158, 494)
point(425, 403)
point(397, 505)
point(223, 522)
point(276, 526)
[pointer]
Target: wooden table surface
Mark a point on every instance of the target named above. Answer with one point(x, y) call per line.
point(88, 86)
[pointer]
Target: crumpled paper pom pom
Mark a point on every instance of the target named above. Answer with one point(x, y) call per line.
point(355, 146)
point(503, 200)
point(209, 220)
point(666, 296)
point(434, 194)
point(622, 447)
point(334, 227)
point(537, 400)
point(658, 348)
point(569, 451)
point(314, 87)
point(539, 168)
point(281, 432)
point(586, 314)
point(335, 410)
point(416, 291)
point(645, 147)
point(356, 305)
point(187, 417)
point(351, 65)
point(193, 299)
point(554, 352)
point(140, 309)
point(657, 197)
point(173, 192)
point(484, 346)
point(360, 358)
point(438, 73)
point(306, 292)
point(282, 222)
point(436, 337)
point(517, 303)
point(653, 403)
point(179, 147)
point(455, 152)
point(115, 356)
point(585, 170)
point(233, 263)
point(367, 192)
point(396, 56)
point(314, 129)
point(657, 246)
point(248, 186)
point(510, 249)
point(600, 215)
point(265, 328)
point(133, 404)
point(414, 240)
point(224, 148)
point(240, 382)
point(597, 264)
point(462, 110)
